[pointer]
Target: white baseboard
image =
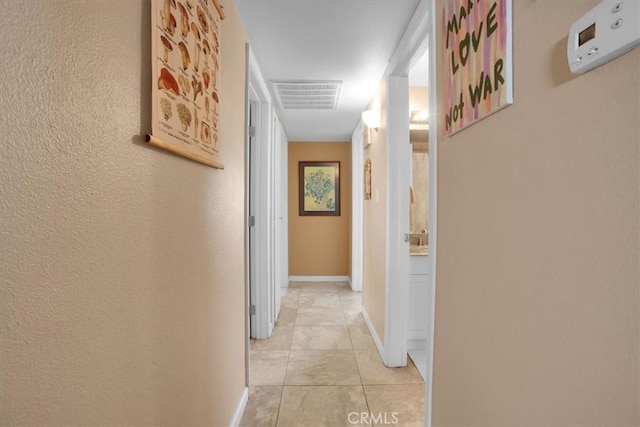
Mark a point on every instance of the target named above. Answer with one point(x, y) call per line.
point(237, 416)
point(318, 278)
point(417, 334)
point(374, 334)
point(416, 343)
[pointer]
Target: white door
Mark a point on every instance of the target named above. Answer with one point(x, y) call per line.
point(261, 209)
point(253, 292)
point(398, 185)
point(283, 234)
point(276, 248)
point(357, 208)
point(260, 205)
point(399, 278)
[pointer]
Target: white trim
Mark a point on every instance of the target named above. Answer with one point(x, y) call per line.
point(419, 357)
point(421, 29)
point(374, 334)
point(433, 209)
point(237, 415)
point(357, 208)
point(255, 76)
point(283, 218)
point(247, 190)
point(262, 151)
point(413, 37)
point(318, 278)
point(252, 112)
point(277, 167)
point(397, 258)
point(416, 341)
point(398, 157)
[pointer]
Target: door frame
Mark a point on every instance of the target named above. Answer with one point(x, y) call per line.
point(247, 194)
point(420, 32)
point(433, 206)
point(398, 183)
point(282, 207)
point(399, 165)
point(357, 208)
point(261, 287)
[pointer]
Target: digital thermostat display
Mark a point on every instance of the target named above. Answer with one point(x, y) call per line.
point(607, 31)
point(588, 34)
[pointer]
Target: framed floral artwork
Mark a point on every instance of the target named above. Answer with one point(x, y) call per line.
point(319, 188)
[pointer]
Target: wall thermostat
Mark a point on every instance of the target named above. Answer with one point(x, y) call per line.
point(609, 30)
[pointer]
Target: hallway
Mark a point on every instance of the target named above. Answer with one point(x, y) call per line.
point(321, 367)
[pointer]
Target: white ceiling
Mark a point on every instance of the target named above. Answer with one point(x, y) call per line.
point(348, 40)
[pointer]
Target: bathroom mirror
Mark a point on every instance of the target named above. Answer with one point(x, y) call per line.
point(419, 191)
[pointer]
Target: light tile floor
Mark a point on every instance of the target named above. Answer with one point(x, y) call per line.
point(321, 367)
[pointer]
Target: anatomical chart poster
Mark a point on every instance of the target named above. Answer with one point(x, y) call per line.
point(186, 78)
point(477, 63)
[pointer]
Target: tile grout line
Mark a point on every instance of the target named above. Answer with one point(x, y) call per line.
point(279, 406)
point(355, 359)
point(345, 324)
point(286, 368)
point(353, 350)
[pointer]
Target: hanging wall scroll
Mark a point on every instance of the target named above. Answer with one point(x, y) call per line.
point(186, 78)
point(367, 179)
point(478, 64)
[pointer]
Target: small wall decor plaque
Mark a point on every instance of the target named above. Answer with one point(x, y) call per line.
point(367, 179)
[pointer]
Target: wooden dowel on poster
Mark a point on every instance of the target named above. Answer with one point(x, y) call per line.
point(169, 147)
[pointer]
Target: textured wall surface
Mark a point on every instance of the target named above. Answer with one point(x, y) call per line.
point(538, 229)
point(122, 294)
point(320, 246)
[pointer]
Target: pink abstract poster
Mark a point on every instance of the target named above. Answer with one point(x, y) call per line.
point(478, 66)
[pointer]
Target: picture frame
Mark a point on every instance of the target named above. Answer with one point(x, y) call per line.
point(478, 76)
point(319, 188)
point(367, 179)
point(185, 77)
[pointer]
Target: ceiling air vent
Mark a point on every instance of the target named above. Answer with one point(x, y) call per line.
point(307, 94)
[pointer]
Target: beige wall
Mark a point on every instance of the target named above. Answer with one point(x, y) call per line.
point(538, 224)
point(320, 245)
point(418, 98)
point(375, 220)
point(122, 290)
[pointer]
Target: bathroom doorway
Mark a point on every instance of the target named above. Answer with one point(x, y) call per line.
point(419, 261)
point(411, 300)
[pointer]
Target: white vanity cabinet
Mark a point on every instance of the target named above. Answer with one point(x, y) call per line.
point(419, 276)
